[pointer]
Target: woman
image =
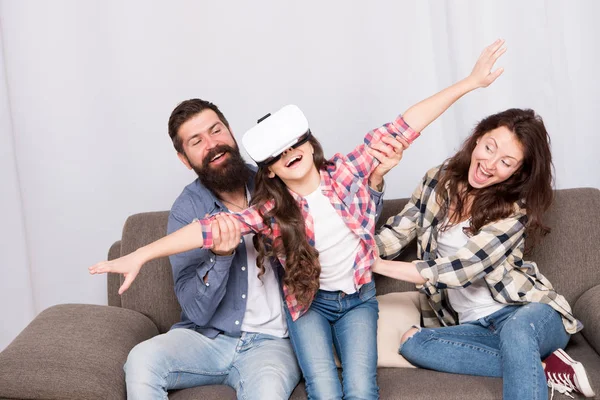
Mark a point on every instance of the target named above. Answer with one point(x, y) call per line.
point(471, 215)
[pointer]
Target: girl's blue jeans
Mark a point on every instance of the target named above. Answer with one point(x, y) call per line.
point(348, 322)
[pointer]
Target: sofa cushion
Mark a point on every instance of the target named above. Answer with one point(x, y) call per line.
point(220, 392)
point(398, 312)
point(73, 351)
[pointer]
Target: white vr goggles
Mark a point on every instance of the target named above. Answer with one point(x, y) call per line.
point(273, 134)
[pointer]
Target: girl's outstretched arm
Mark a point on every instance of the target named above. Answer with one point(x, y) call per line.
point(187, 238)
point(423, 113)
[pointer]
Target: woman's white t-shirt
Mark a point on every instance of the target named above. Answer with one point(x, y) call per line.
point(475, 301)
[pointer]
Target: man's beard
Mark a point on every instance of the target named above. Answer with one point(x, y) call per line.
point(228, 176)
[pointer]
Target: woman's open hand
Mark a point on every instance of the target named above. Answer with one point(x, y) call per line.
point(482, 75)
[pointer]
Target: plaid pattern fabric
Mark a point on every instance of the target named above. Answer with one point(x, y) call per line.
point(345, 183)
point(495, 254)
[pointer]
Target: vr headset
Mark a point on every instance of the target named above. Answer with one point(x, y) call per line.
point(273, 134)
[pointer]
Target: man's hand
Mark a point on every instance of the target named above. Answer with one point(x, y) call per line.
point(389, 153)
point(227, 234)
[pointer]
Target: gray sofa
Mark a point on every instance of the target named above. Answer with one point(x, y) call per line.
point(76, 351)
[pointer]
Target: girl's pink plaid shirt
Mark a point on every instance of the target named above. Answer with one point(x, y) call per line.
point(345, 183)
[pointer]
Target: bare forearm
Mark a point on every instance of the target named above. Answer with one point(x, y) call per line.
point(400, 270)
point(425, 112)
point(187, 238)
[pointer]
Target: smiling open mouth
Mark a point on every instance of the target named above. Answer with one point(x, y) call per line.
point(480, 175)
point(217, 156)
point(483, 172)
point(294, 160)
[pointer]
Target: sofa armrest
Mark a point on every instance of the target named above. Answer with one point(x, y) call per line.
point(73, 351)
point(587, 310)
point(113, 281)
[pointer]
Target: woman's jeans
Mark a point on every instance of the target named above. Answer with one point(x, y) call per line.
point(348, 322)
point(509, 343)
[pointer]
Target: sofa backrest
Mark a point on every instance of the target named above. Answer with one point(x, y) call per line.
point(569, 256)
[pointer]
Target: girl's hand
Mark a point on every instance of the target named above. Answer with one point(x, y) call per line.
point(482, 75)
point(389, 153)
point(128, 265)
point(376, 267)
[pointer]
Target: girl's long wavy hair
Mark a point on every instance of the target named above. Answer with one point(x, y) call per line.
point(531, 184)
point(302, 267)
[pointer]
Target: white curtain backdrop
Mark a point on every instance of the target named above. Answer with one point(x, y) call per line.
point(86, 89)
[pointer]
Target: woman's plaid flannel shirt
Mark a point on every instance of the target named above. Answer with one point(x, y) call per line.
point(345, 184)
point(494, 254)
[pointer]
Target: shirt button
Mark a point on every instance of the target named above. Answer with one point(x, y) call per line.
point(237, 322)
point(207, 284)
point(241, 240)
point(243, 268)
point(243, 296)
point(212, 259)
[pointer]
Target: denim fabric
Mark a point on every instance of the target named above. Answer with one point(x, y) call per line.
point(509, 343)
point(256, 366)
point(348, 322)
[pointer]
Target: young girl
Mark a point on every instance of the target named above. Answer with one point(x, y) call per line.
point(317, 218)
point(500, 315)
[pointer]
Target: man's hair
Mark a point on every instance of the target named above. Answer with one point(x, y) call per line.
point(184, 112)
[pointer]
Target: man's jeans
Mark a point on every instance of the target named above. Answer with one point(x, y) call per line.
point(348, 322)
point(509, 343)
point(256, 366)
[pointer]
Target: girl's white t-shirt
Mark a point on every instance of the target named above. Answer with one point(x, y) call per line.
point(336, 243)
point(475, 301)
